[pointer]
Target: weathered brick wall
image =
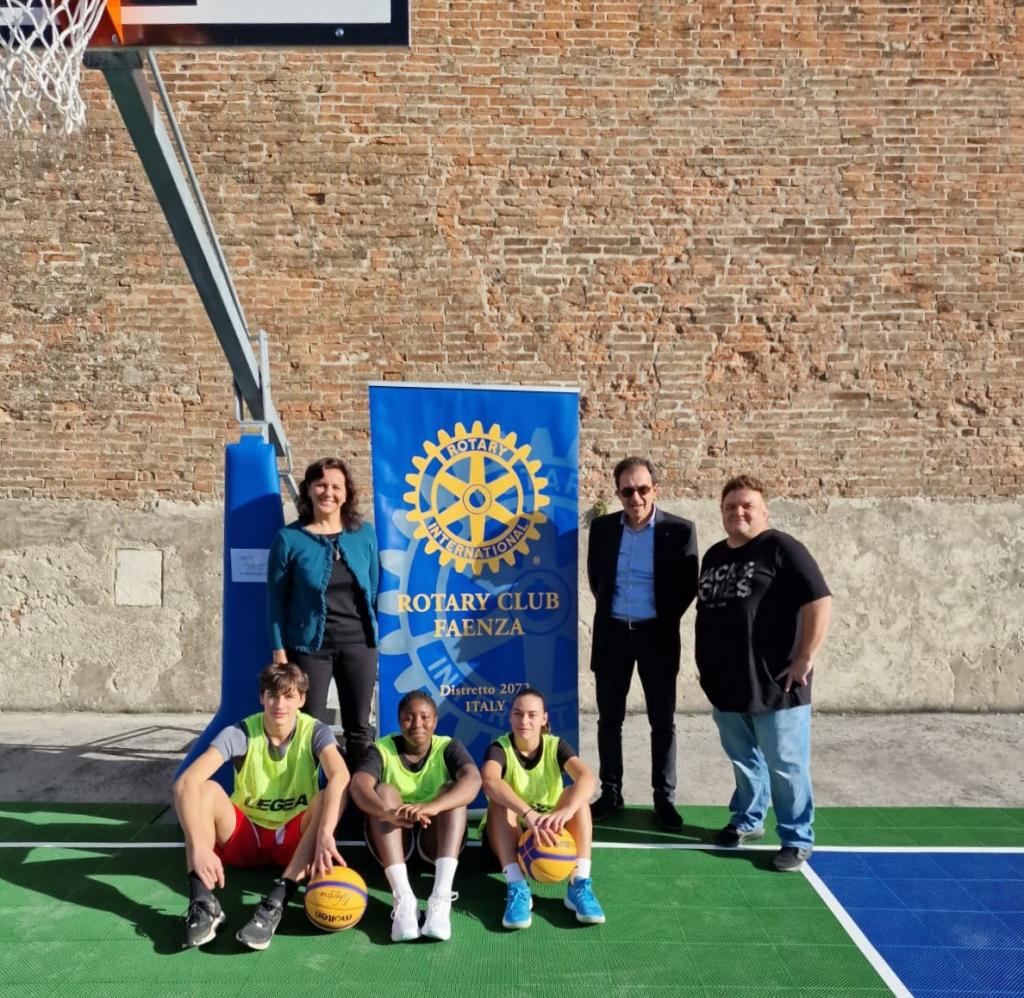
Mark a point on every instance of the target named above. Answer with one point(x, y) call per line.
point(786, 236)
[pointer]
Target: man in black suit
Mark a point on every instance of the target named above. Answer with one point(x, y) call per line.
point(642, 568)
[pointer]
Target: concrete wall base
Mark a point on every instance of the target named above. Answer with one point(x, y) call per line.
point(109, 608)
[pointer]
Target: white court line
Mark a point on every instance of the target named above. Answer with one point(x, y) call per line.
point(711, 847)
point(128, 845)
point(639, 846)
point(91, 845)
point(895, 985)
point(918, 849)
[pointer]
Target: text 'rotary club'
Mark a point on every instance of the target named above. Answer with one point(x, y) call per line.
point(494, 612)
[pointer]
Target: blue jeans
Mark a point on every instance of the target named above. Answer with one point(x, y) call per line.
point(771, 761)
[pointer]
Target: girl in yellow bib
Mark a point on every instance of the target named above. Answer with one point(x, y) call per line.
point(414, 787)
point(522, 775)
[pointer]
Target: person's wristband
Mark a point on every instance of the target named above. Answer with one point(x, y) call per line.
point(527, 811)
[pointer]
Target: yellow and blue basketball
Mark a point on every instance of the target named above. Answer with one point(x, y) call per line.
point(336, 900)
point(547, 864)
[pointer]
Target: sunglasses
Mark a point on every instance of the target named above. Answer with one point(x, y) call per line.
point(631, 490)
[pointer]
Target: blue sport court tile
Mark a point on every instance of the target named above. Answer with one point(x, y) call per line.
point(975, 930)
point(934, 895)
point(981, 866)
point(841, 864)
point(904, 866)
point(863, 892)
point(997, 895)
point(921, 967)
point(1014, 921)
point(961, 930)
point(998, 970)
point(977, 993)
point(897, 928)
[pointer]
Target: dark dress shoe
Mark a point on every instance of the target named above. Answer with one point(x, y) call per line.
point(667, 815)
point(605, 806)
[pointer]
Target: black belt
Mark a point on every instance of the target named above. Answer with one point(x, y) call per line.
point(634, 625)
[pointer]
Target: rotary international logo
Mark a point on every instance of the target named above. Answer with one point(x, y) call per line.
point(476, 497)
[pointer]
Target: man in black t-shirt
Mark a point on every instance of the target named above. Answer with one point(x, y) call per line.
point(763, 611)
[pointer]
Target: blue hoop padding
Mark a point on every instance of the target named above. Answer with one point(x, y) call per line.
point(252, 517)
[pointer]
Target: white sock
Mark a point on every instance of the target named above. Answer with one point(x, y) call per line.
point(398, 879)
point(582, 871)
point(513, 874)
point(444, 875)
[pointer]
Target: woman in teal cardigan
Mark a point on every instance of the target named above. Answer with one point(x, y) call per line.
point(322, 580)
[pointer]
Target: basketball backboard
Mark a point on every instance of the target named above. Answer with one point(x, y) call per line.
point(259, 23)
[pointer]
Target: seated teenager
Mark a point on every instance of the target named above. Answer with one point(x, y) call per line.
point(276, 815)
point(522, 774)
point(414, 787)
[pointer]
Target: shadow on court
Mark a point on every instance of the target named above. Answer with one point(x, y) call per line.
point(137, 764)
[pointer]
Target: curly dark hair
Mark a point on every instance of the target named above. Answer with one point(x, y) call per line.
point(351, 518)
point(415, 696)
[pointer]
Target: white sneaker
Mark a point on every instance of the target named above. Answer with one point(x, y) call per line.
point(438, 923)
point(405, 919)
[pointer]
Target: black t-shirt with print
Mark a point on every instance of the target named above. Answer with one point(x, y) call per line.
point(748, 616)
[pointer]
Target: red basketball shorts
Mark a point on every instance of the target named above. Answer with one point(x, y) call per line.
point(252, 845)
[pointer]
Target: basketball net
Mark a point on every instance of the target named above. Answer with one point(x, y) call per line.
point(42, 43)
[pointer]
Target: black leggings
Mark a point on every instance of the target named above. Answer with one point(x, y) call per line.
point(354, 668)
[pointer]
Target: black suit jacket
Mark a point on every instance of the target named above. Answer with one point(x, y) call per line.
point(675, 577)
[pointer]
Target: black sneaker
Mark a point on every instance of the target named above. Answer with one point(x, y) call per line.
point(733, 836)
point(789, 859)
point(203, 920)
point(667, 815)
point(260, 929)
point(605, 806)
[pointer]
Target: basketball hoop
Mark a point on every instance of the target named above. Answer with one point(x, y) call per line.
point(42, 43)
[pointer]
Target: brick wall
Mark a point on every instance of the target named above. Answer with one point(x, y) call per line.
point(783, 236)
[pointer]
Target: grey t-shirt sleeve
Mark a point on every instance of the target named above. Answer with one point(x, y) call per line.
point(322, 737)
point(232, 742)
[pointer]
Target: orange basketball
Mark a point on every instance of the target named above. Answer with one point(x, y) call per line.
point(336, 900)
point(547, 864)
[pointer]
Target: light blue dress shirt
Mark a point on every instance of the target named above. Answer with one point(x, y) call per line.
point(633, 598)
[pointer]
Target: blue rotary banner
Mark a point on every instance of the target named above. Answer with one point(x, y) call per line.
point(477, 513)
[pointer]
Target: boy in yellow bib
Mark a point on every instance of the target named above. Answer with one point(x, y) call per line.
point(414, 787)
point(276, 815)
point(522, 774)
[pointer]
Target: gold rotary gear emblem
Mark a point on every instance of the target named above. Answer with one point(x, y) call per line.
point(476, 497)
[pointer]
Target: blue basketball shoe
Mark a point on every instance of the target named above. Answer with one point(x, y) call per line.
point(580, 899)
point(517, 906)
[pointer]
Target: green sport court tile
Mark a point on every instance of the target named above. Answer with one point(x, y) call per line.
point(779, 890)
point(636, 824)
point(835, 967)
point(800, 927)
point(722, 925)
point(120, 933)
point(613, 964)
point(742, 965)
point(921, 826)
point(48, 822)
point(37, 990)
point(852, 826)
point(878, 990)
point(681, 922)
point(963, 817)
